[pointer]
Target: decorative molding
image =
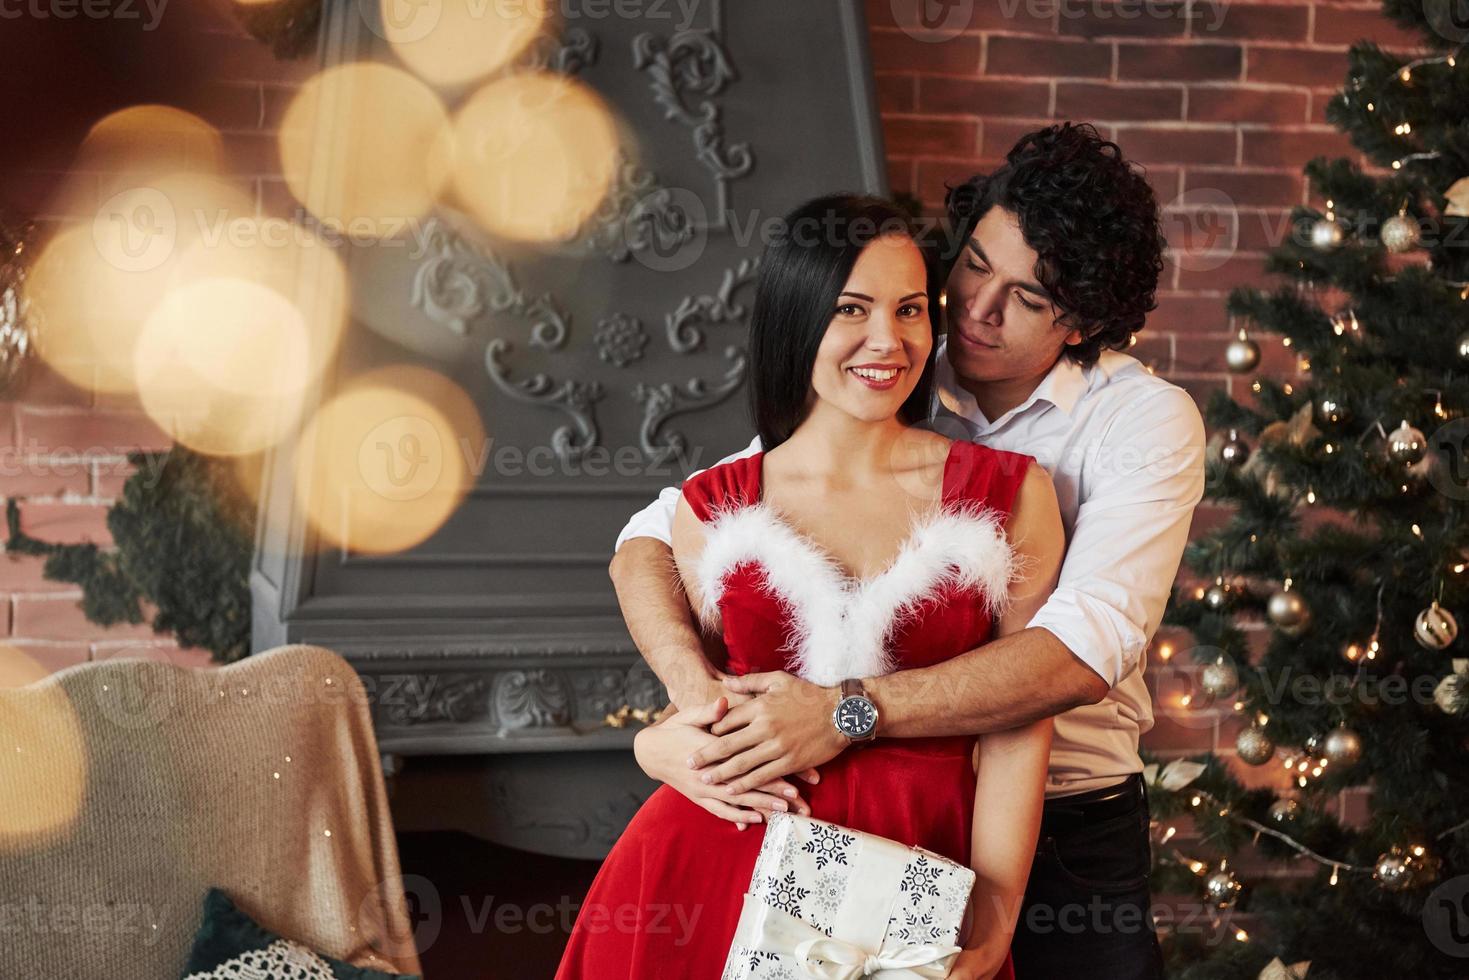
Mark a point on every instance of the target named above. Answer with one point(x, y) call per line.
point(620, 339)
point(458, 282)
point(532, 699)
point(564, 700)
point(577, 49)
point(636, 214)
point(694, 63)
point(663, 402)
point(576, 398)
point(682, 325)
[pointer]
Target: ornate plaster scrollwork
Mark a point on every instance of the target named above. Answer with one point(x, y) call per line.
point(458, 282)
point(662, 402)
point(532, 699)
point(683, 324)
point(576, 398)
point(683, 67)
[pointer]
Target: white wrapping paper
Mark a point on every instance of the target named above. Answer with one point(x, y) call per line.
point(830, 903)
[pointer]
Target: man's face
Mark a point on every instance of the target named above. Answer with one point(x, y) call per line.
point(1002, 324)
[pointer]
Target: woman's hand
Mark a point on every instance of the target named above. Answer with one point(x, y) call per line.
point(663, 751)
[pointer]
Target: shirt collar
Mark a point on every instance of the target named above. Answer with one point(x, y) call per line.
point(1062, 387)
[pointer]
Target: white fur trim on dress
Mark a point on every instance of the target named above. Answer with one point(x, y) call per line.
point(841, 627)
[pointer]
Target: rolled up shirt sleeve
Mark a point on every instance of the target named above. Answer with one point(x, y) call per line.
point(656, 519)
point(1137, 502)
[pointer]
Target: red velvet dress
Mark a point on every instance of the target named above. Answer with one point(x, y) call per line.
point(666, 899)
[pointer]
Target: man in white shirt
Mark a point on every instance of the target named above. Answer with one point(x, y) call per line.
point(1058, 264)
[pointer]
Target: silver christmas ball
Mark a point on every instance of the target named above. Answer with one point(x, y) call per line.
point(1234, 452)
point(1216, 596)
point(1222, 889)
point(1242, 355)
point(1436, 628)
point(1285, 810)
point(1461, 346)
point(1406, 445)
point(1326, 235)
point(1393, 871)
point(1254, 746)
point(1220, 679)
point(1342, 746)
point(1287, 610)
point(1399, 233)
point(1312, 745)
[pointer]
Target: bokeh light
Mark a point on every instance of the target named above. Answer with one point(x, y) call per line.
point(94, 284)
point(222, 365)
point(452, 42)
point(383, 464)
point(43, 764)
point(536, 155)
point(367, 147)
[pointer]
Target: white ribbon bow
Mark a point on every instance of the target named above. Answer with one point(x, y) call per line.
point(820, 957)
point(846, 961)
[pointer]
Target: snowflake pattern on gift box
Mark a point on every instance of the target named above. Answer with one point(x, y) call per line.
point(828, 843)
point(921, 879)
point(786, 894)
point(830, 889)
point(916, 928)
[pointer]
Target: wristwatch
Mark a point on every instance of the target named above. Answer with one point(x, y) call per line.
point(855, 716)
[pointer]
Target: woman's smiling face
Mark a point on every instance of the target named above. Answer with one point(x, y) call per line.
point(880, 335)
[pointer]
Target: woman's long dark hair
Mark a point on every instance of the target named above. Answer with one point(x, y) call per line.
point(802, 273)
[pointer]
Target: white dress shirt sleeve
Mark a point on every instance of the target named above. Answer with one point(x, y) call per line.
point(1131, 528)
point(656, 519)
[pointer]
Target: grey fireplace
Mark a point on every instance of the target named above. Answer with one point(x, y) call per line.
point(616, 359)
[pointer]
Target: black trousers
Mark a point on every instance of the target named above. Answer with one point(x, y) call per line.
point(1087, 905)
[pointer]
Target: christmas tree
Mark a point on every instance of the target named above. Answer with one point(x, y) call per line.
point(1348, 540)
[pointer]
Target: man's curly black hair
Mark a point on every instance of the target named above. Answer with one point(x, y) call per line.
point(1092, 219)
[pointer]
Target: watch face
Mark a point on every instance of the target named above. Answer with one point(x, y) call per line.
point(856, 716)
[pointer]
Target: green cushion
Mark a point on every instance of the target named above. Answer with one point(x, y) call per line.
point(231, 946)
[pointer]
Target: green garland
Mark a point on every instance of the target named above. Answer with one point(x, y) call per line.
point(184, 533)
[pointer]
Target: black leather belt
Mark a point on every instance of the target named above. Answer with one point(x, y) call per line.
point(1094, 806)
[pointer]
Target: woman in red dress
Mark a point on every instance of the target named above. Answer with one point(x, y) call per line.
point(855, 544)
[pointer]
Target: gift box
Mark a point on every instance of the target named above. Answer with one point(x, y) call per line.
point(830, 902)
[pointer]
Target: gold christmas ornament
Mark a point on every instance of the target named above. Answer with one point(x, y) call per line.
point(1222, 888)
point(1406, 445)
point(1342, 746)
point(1254, 747)
point(1330, 411)
point(1288, 611)
point(1436, 628)
point(1219, 679)
point(1400, 233)
point(1242, 355)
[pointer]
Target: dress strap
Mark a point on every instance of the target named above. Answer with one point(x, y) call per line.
point(724, 487)
point(978, 473)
